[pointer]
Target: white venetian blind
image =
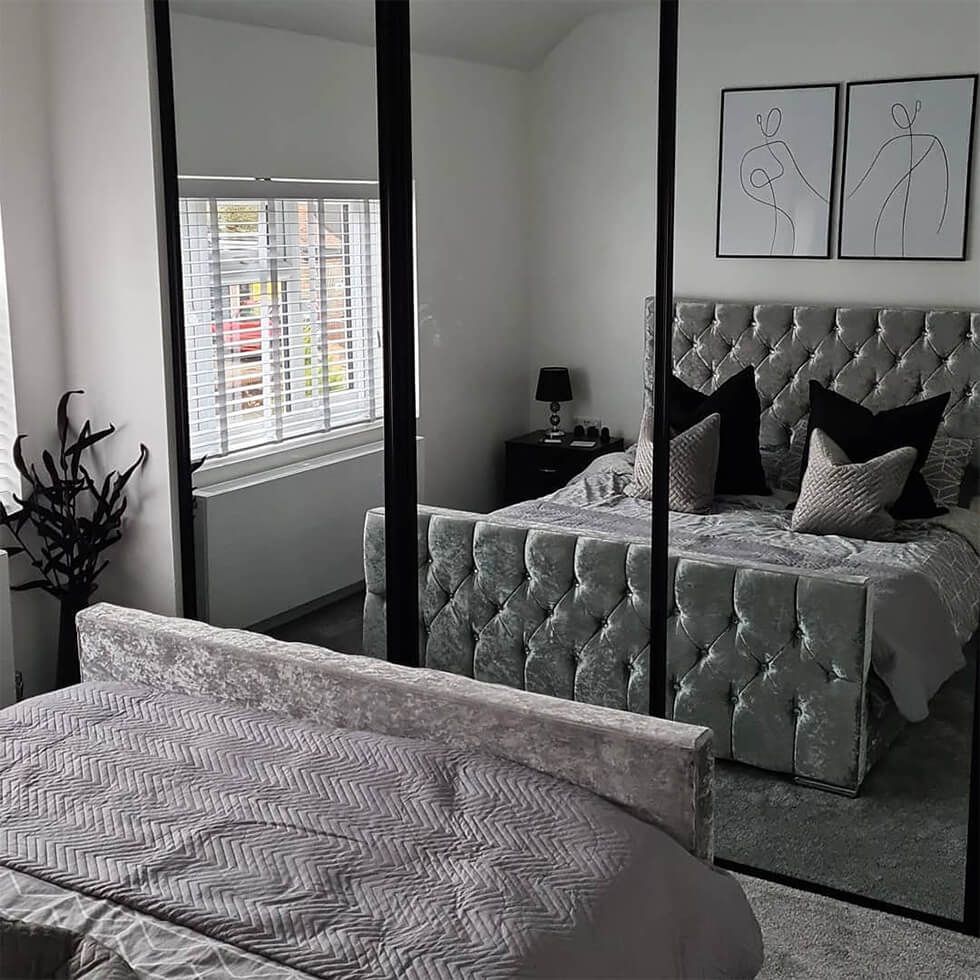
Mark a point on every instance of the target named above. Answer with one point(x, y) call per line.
point(10, 483)
point(282, 309)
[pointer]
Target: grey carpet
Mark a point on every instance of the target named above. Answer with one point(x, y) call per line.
point(337, 626)
point(903, 840)
point(808, 936)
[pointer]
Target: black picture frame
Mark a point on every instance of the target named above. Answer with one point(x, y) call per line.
point(827, 251)
point(851, 86)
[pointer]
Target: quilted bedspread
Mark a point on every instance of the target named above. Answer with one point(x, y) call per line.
point(349, 854)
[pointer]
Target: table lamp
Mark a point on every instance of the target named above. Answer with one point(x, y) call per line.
point(555, 386)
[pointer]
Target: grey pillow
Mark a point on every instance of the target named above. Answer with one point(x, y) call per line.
point(693, 465)
point(841, 497)
point(945, 467)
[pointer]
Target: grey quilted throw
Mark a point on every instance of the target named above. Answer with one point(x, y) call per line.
point(351, 854)
point(926, 580)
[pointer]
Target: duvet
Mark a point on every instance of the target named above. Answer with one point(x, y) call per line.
point(197, 838)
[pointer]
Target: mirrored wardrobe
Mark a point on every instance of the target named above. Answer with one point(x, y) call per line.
point(277, 150)
point(824, 160)
point(668, 403)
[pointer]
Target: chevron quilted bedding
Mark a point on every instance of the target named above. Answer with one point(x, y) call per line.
point(198, 838)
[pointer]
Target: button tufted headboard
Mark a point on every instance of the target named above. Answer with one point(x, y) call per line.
point(880, 357)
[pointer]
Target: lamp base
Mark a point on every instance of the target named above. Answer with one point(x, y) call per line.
point(555, 431)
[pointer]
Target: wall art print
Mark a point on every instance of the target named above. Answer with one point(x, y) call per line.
point(908, 150)
point(776, 171)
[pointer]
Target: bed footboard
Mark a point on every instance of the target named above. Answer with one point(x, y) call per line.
point(660, 771)
point(774, 661)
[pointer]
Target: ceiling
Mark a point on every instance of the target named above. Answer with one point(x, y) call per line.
point(508, 33)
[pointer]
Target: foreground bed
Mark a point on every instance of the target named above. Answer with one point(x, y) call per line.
point(316, 814)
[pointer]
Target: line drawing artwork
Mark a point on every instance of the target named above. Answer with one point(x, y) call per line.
point(907, 143)
point(760, 170)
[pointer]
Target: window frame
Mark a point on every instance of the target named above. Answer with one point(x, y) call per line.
point(298, 446)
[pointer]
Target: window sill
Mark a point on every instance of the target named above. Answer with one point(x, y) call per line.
point(255, 462)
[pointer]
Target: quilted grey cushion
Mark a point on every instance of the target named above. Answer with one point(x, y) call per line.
point(841, 497)
point(945, 468)
point(693, 465)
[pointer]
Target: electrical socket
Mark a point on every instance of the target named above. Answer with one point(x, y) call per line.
point(585, 422)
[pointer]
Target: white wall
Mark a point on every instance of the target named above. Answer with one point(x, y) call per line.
point(311, 111)
point(730, 43)
point(105, 170)
point(78, 170)
point(593, 139)
point(32, 286)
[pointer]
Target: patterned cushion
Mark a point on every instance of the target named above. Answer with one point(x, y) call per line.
point(945, 468)
point(693, 465)
point(841, 497)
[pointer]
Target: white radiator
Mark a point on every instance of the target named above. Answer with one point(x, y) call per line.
point(270, 543)
point(7, 675)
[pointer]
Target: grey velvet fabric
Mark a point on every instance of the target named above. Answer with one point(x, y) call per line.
point(775, 662)
point(658, 771)
point(839, 496)
point(880, 357)
point(351, 853)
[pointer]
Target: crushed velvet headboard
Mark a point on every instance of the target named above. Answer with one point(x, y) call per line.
point(880, 357)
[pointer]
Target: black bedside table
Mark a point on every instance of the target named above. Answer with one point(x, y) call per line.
point(535, 468)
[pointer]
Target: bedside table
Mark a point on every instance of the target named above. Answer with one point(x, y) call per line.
point(534, 468)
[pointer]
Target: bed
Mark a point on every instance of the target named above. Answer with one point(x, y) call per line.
point(804, 657)
point(215, 803)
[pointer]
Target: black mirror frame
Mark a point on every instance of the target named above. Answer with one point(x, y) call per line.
point(393, 47)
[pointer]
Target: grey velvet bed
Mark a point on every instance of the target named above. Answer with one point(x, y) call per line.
point(212, 803)
point(802, 658)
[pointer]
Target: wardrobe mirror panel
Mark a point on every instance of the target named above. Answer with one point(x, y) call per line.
point(276, 126)
point(534, 130)
point(826, 606)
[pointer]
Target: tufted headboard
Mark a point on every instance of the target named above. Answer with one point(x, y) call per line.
point(880, 357)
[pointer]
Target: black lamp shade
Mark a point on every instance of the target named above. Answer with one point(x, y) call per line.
point(554, 385)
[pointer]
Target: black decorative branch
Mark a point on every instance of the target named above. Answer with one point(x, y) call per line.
point(67, 519)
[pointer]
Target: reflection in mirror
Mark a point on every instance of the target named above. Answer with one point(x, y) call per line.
point(831, 648)
point(276, 124)
point(535, 250)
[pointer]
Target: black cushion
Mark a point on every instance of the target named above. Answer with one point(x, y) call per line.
point(863, 434)
point(737, 402)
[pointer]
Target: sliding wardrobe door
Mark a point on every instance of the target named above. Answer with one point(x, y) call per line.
point(824, 158)
point(282, 228)
point(534, 136)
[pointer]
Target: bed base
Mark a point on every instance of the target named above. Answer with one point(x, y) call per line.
point(774, 661)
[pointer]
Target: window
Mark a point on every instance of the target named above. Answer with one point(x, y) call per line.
point(282, 310)
point(10, 483)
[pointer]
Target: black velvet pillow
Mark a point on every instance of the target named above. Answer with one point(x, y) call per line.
point(737, 402)
point(863, 434)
